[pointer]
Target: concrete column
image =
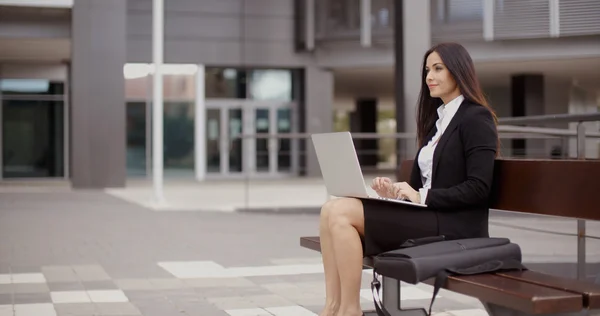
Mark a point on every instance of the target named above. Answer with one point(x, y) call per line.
point(413, 39)
point(527, 97)
point(318, 113)
point(97, 93)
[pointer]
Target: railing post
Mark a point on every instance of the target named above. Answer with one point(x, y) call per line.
point(581, 252)
point(488, 19)
point(309, 32)
point(365, 23)
point(554, 18)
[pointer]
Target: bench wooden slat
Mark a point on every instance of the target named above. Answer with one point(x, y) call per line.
point(313, 243)
point(527, 297)
point(504, 290)
point(589, 291)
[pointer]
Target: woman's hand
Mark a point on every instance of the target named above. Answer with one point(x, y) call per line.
point(403, 190)
point(384, 187)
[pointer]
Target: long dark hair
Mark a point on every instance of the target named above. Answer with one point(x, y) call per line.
point(459, 63)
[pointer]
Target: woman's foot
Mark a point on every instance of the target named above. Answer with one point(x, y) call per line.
point(329, 310)
point(351, 313)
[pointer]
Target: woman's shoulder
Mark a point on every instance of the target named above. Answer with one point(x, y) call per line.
point(474, 110)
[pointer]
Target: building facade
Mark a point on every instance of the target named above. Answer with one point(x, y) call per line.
point(76, 79)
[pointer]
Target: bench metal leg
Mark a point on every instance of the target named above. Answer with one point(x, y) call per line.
point(391, 300)
point(496, 310)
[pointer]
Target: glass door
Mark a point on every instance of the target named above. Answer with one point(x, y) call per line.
point(242, 139)
point(272, 151)
point(32, 128)
point(224, 141)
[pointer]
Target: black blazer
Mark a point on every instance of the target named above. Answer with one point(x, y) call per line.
point(463, 169)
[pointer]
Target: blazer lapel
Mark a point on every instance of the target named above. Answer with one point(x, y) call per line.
point(445, 136)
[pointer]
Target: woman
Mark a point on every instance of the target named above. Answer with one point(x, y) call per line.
point(452, 175)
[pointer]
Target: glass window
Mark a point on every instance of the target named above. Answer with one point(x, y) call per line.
point(178, 136)
point(31, 87)
point(224, 83)
point(343, 15)
point(136, 138)
point(382, 14)
point(270, 85)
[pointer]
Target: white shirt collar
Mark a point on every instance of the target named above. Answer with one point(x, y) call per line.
point(450, 109)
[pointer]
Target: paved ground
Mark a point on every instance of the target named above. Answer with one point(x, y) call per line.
point(91, 253)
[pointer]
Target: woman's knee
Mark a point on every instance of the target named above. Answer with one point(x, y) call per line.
point(344, 211)
point(326, 210)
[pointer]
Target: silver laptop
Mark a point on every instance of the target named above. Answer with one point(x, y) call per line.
point(341, 169)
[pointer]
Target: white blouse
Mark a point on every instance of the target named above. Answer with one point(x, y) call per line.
point(425, 159)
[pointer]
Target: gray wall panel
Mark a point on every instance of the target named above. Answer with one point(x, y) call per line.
point(190, 6)
point(218, 32)
point(202, 26)
point(139, 50)
point(21, 23)
point(273, 54)
point(271, 29)
point(269, 7)
point(186, 26)
point(98, 97)
point(210, 52)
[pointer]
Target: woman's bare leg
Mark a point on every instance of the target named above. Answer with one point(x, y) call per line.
point(332, 278)
point(346, 224)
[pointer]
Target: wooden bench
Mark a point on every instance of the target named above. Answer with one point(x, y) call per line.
point(565, 188)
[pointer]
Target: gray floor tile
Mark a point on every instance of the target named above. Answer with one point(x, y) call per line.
point(230, 291)
point(4, 268)
point(24, 269)
point(60, 274)
point(219, 282)
point(30, 288)
point(87, 273)
point(158, 309)
point(100, 285)
point(134, 284)
point(31, 298)
point(167, 284)
point(65, 286)
point(77, 309)
point(6, 299)
point(117, 309)
point(6, 288)
point(200, 309)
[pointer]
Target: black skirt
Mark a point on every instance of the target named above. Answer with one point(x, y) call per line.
point(389, 225)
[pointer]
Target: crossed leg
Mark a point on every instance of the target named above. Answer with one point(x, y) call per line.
point(341, 225)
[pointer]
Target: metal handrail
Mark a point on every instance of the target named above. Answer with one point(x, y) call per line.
point(550, 118)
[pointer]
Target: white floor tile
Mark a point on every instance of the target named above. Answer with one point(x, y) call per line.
point(469, 312)
point(195, 269)
point(276, 270)
point(5, 279)
point(45, 309)
point(290, 311)
point(415, 293)
point(28, 278)
point(248, 312)
point(407, 292)
point(70, 297)
point(209, 269)
point(367, 294)
point(108, 296)
point(6, 310)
